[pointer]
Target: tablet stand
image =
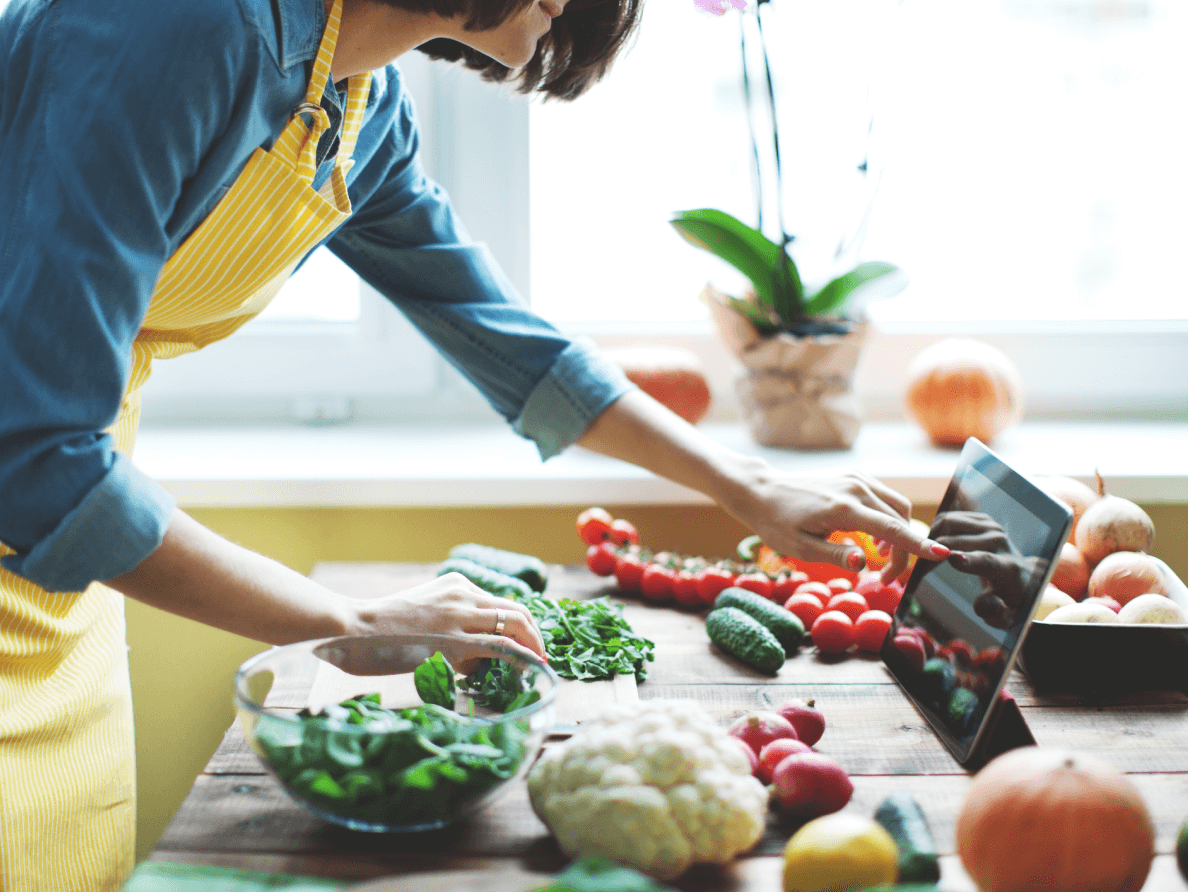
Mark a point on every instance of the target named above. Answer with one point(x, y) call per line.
point(1007, 731)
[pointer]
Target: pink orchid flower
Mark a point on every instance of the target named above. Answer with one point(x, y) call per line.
point(719, 7)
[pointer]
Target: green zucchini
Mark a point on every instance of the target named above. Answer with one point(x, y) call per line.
point(743, 636)
point(499, 584)
point(901, 816)
point(522, 566)
point(784, 624)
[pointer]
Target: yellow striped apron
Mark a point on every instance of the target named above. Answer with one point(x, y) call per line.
point(67, 763)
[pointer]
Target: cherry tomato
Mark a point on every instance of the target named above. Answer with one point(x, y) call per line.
point(602, 558)
point(711, 581)
point(820, 589)
point(629, 570)
point(806, 607)
point(839, 585)
point(684, 588)
point(623, 533)
point(656, 582)
point(833, 632)
point(851, 604)
point(870, 630)
point(783, 588)
point(594, 525)
point(757, 582)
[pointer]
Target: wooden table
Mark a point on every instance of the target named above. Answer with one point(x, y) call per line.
point(237, 816)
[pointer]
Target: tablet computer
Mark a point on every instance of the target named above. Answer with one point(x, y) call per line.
point(960, 622)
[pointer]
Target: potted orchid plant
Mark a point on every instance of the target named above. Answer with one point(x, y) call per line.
point(798, 345)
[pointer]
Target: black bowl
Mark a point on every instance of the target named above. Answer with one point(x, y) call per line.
point(1107, 659)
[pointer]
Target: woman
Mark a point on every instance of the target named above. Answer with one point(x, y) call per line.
point(167, 166)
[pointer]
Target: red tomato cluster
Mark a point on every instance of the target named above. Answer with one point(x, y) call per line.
point(839, 616)
point(840, 612)
point(613, 550)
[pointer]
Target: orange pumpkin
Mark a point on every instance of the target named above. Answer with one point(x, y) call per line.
point(670, 375)
point(1054, 820)
point(960, 388)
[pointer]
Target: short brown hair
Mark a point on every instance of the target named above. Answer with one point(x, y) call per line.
point(574, 55)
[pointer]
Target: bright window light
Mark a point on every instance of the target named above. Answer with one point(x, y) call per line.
point(1025, 155)
point(324, 289)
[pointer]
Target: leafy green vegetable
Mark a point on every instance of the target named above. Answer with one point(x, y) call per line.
point(434, 679)
point(588, 640)
point(594, 873)
point(499, 686)
point(397, 767)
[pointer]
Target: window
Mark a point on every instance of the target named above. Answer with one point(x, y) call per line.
point(1022, 157)
point(1025, 153)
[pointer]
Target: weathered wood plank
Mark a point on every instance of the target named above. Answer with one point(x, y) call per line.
point(377, 874)
point(252, 814)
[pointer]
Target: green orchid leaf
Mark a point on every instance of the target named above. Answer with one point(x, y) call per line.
point(833, 296)
point(746, 249)
point(762, 320)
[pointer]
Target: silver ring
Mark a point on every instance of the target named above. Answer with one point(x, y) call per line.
point(500, 616)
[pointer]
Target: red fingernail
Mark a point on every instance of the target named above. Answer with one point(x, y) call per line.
point(939, 550)
point(854, 560)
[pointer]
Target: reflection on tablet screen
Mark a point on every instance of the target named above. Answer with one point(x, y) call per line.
point(969, 612)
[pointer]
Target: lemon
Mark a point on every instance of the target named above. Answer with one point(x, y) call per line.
point(838, 853)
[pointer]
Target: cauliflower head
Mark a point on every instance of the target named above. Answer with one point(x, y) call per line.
point(656, 785)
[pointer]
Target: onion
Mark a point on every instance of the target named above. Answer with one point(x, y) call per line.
point(1113, 524)
point(1071, 575)
point(1124, 575)
point(1072, 492)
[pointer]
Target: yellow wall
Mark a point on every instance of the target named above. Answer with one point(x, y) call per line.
point(182, 671)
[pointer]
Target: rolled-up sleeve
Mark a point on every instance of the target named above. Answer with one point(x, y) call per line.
point(406, 241)
point(120, 521)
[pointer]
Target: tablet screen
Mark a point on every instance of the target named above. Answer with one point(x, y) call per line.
point(960, 621)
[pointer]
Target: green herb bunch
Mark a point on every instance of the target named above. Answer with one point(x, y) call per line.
point(588, 640)
point(779, 300)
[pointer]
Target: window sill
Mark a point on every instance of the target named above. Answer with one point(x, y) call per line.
point(488, 465)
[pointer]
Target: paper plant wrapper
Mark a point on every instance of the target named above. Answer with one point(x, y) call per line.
point(796, 392)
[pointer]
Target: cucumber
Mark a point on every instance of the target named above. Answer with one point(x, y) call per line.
point(522, 566)
point(745, 637)
point(901, 816)
point(784, 624)
point(499, 584)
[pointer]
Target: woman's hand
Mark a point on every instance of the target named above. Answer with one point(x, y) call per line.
point(453, 605)
point(797, 515)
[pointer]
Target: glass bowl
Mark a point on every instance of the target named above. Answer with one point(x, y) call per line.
point(359, 735)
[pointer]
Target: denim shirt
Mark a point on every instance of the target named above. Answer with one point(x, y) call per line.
point(120, 129)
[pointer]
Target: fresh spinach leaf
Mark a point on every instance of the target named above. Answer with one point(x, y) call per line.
point(434, 679)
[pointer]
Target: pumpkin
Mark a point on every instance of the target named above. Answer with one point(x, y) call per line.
point(960, 388)
point(1052, 819)
point(670, 375)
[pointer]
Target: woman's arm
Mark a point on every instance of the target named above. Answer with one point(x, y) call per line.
point(201, 576)
point(794, 515)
